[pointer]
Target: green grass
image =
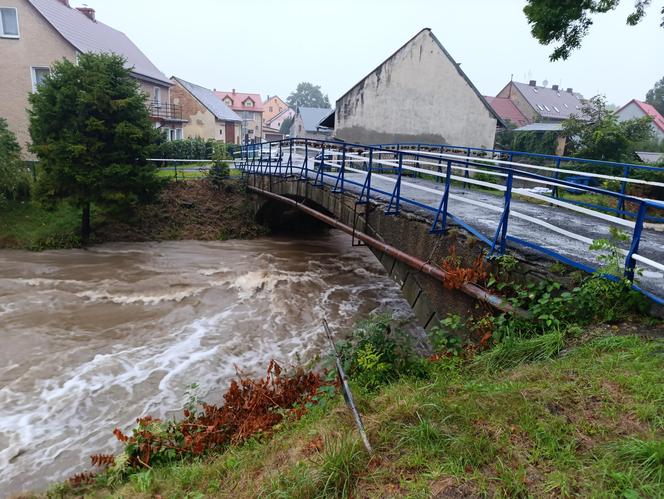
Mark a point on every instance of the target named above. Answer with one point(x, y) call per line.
point(170, 172)
point(587, 422)
point(28, 225)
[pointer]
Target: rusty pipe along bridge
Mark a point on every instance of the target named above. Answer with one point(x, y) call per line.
point(548, 207)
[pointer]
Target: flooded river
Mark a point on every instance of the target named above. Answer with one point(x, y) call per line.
point(94, 339)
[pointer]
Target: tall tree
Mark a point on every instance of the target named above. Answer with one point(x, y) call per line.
point(308, 95)
point(285, 126)
point(91, 130)
point(655, 96)
point(597, 134)
point(568, 21)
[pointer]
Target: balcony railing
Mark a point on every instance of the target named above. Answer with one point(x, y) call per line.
point(165, 111)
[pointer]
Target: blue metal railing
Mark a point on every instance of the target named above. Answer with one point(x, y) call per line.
point(626, 170)
point(345, 157)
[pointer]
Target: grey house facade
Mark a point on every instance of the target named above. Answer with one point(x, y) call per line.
point(307, 123)
point(419, 94)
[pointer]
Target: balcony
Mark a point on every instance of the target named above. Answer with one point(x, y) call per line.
point(161, 110)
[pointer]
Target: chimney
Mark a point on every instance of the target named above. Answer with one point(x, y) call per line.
point(570, 91)
point(233, 91)
point(554, 87)
point(65, 3)
point(88, 11)
point(533, 83)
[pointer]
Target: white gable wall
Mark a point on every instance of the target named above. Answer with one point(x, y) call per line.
point(418, 95)
point(632, 111)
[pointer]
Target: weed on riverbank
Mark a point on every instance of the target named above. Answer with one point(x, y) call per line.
point(185, 210)
point(588, 423)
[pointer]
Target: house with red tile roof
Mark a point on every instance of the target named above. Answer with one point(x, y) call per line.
point(507, 110)
point(637, 109)
point(250, 108)
point(36, 33)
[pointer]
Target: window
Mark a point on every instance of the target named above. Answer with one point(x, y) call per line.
point(221, 131)
point(248, 103)
point(173, 133)
point(38, 75)
point(157, 95)
point(270, 108)
point(8, 23)
point(228, 101)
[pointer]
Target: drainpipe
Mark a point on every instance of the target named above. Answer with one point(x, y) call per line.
point(472, 290)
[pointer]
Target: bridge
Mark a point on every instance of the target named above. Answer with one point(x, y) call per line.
point(414, 204)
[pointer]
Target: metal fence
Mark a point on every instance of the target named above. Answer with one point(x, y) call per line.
point(352, 167)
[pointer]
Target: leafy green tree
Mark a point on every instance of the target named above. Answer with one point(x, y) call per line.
point(285, 126)
point(568, 21)
point(308, 95)
point(655, 96)
point(12, 172)
point(597, 134)
point(91, 130)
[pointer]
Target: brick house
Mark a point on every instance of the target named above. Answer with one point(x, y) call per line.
point(207, 115)
point(36, 33)
point(250, 108)
point(272, 107)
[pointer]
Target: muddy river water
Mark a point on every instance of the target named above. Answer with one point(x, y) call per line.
point(91, 340)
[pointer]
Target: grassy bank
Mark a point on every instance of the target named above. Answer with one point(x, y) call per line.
point(185, 210)
point(588, 423)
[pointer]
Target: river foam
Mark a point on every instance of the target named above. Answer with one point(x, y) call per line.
point(95, 339)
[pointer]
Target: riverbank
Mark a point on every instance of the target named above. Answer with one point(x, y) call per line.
point(585, 423)
point(186, 210)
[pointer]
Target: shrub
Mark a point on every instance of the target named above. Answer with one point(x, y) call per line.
point(220, 168)
point(377, 354)
point(14, 176)
point(195, 148)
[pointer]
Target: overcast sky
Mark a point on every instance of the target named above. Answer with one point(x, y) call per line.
point(268, 46)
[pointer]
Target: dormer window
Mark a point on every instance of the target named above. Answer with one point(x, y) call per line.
point(248, 103)
point(8, 23)
point(228, 101)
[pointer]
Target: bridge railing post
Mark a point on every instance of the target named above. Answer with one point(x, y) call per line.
point(321, 167)
point(500, 237)
point(305, 165)
point(442, 208)
point(290, 156)
point(630, 263)
point(623, 189)
point(556, 175)
point(395, 200)
point(279, 158)
point(339, 184)
point(440, 162)
point(466, 173)
point(365, 194)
